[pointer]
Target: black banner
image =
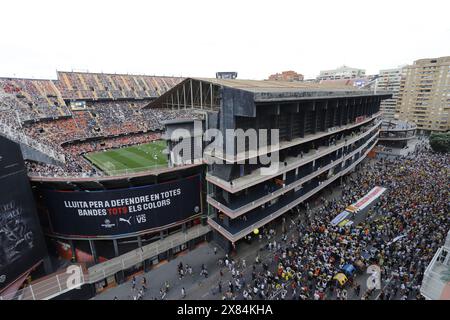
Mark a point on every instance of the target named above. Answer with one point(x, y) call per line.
point(113, 213)
point(21, 242)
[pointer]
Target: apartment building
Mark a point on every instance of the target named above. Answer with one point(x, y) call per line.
point(286, 76)
point(424, 95)
point(343, 72)
point(390, 80)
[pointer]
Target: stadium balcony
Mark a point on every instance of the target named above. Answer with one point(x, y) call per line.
point(396, 134)
point(82, 181)
point(287, 144)
point(263, 193)
point(241, 183)
point(395, 130)
point(236, 229)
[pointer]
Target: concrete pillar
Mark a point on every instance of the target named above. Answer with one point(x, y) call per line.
point(147, 265)
point(190, 245)
point(116, 248)
point(48, 267)
point(73, 249)
point(139, 240)
point(226, 221)
point(170, 254)
point(120, 277)
point(93, 251)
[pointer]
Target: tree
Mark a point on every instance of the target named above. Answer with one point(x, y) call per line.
point(440, 142)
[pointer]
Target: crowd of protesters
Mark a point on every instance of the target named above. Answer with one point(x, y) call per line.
point(400, 234)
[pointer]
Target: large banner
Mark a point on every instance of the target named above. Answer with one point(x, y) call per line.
point(21, 242)
point(340, 217)
point(113, 213)
point(369, 198)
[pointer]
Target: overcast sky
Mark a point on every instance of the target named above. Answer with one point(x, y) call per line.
point(198, 38)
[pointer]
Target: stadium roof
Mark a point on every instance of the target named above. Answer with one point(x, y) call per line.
point(267, 85)
point(204, 92)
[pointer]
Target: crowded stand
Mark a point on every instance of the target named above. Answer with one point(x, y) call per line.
point(400, 234)
point(35, 98)
point(79, 148)
point(102, 120)
point(43, 110)
point(74, 151)
point(9, 111)
point(82, 85)
point(111, 127)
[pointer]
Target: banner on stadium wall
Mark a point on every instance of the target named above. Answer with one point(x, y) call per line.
point(112, 213)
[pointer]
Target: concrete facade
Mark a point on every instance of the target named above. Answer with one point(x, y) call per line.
point(424, 96)
point(286, 76)
point(390, 80)
point(343, 72)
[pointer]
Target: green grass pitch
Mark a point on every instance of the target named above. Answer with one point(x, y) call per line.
point(130, 159)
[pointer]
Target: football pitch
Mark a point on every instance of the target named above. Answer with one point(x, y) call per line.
point(130, 159)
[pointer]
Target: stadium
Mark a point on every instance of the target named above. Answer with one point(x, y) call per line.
point(107, 190)
point(86, 134)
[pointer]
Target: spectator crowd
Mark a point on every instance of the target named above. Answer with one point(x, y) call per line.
point(400, 234)
point(37, 109)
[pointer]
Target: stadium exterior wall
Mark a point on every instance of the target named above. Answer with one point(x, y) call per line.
point(98, 244)
point(321, 140)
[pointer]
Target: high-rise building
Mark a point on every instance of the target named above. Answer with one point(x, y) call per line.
point(286, 76)
point(424, 96)
point(343, 72)
point(389, 80)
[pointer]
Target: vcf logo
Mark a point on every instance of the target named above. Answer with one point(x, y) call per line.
point(374, 280)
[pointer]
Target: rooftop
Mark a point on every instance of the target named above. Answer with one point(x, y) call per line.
point(262, 90)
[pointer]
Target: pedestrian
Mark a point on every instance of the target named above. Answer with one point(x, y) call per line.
point(183, 293)
point(344, 294)
point(144, 283)
point(358, 290)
